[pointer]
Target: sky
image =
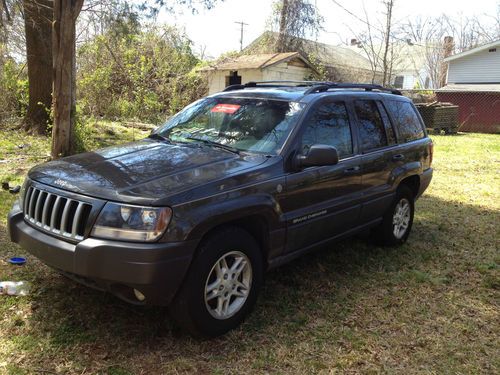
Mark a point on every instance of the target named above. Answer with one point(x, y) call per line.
point(215, 31)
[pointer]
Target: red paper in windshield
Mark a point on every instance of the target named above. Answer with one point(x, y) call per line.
point(226, 108)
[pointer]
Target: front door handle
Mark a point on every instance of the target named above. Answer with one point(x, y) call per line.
point(352, 170)
point(398, 157)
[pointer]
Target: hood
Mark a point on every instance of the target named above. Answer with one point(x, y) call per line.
point(143, 171)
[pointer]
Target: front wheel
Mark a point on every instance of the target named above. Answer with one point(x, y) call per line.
point(222, 285)
point(397, 221)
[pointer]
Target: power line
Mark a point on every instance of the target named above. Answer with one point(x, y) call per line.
point(242, 25)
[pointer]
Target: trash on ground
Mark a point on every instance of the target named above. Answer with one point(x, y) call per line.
point(17, 260)
point(14, 288)
point(13, 189)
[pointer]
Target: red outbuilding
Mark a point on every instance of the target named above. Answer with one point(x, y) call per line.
point(473, 83)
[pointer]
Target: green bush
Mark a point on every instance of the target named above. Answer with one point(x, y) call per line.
point(13, 89)
point(146, 76)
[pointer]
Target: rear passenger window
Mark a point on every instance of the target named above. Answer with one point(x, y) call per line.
point(371, 127)
point(329, 125)
point(389, 131)
point(406, 120)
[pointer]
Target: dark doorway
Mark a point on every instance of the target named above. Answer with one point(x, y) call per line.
point(233, 79)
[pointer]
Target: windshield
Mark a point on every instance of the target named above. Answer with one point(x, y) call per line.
point(246, 124)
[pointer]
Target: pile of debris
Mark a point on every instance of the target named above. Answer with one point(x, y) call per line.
point(440, 116)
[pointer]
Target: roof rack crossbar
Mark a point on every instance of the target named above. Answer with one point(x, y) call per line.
point(314, 86)
point(322, 87)
point(273, 84)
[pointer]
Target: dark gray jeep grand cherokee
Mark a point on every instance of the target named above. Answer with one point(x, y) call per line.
point(235, 184)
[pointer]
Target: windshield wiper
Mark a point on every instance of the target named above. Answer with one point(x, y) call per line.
point(159, 137)
point(215, 144)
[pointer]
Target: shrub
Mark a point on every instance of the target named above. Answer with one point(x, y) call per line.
point(145, 75)
point(13, 89)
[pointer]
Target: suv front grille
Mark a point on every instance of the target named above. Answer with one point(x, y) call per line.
point(56, 214)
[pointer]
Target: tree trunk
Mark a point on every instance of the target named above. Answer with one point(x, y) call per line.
point(282, 37)
point(385, 62)
point(38, 28)
point(64, 61)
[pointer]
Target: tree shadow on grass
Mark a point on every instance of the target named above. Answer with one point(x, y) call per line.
point(314, 295)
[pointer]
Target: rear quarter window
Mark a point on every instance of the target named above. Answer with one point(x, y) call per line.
point(405, 120)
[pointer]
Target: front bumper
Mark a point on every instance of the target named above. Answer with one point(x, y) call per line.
point(156, 269)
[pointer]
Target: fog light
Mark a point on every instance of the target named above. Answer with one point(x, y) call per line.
point(141, 297)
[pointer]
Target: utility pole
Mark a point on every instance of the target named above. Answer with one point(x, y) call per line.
point(242, 25)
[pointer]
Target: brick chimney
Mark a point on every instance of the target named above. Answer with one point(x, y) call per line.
point(448, 47)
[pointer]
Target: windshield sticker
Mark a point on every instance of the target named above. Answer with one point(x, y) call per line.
point(226, 108)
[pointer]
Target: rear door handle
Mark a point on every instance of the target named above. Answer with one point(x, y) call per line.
point(352, 170)
point(398, 157)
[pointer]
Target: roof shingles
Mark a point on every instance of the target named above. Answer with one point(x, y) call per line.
point(257, 61)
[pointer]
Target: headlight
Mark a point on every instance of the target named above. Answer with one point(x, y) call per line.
point(134, 223)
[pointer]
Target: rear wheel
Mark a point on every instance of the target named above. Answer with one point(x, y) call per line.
point(222, 285)
point(397, 221)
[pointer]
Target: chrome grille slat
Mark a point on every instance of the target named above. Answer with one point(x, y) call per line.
point(37, 212)
point(55, 210)
point(77, 220)
point(31, 209)
point(56, 214)
point(64, 220)
point(45, 212)
point(27, 199)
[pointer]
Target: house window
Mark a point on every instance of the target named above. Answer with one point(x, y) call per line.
point(492, 50)
point(233, 79)
point(398, 82)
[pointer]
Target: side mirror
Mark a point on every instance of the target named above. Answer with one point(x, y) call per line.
point(318, 155)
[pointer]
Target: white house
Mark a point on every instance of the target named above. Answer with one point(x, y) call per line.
point(478, 65)
point(409, 65)
point(289, 66)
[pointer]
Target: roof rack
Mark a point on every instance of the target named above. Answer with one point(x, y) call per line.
point(314, 86)
point(274, 84)
point(325, 86)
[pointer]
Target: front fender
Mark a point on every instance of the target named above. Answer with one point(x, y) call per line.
point(262, 205)
point(193, 220)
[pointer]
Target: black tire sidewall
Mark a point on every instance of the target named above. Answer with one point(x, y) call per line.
point(202, 323)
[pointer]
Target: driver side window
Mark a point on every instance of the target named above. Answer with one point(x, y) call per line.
point(329, 125)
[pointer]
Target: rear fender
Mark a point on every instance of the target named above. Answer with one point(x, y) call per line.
point(404, 171)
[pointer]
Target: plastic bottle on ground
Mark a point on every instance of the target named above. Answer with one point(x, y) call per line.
point(14, 288)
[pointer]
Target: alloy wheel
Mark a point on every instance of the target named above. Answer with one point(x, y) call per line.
point(401, 218)
point(228, 285)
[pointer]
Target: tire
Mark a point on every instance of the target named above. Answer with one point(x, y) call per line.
point(197, 310)
point(403, 205)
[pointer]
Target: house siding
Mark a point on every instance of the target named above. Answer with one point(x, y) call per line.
point(217, 78)
point(480, 67)
point(279, 72)
point(285, 72)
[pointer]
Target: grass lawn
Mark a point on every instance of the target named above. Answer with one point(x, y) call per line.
point(431, 306)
